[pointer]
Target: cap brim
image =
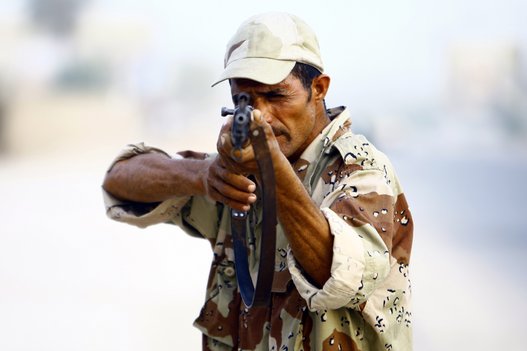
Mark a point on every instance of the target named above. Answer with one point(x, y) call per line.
point(263, 70)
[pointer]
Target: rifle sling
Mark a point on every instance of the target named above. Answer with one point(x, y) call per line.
point(261, 294)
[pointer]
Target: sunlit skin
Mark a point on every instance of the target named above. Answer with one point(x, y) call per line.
point(291, 121)
point(285, 106)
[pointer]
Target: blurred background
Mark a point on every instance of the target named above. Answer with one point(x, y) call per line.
point(440, 86)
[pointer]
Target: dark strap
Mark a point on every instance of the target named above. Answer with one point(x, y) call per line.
point(261, 294)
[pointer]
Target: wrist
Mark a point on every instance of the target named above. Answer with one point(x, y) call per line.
point(202, 173)
point(186, 177)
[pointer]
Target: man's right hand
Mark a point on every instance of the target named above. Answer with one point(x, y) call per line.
point(233, 190)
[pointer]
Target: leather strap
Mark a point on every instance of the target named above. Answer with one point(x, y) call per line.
point(261, 294)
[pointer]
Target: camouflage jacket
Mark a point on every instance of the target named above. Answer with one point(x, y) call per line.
point(365, 305)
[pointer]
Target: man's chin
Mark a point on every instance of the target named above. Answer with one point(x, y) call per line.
point(283, 145)
point(291, 155)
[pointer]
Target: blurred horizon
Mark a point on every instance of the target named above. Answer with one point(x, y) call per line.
point(416, 70)
point(441, 87)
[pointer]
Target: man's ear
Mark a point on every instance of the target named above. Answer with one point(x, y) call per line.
point(320, 86)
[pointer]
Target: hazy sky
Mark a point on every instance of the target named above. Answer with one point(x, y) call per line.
point(397, 51)
point(369, 47)
point(398, 43)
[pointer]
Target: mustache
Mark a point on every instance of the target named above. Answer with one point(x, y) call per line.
point(280, 132)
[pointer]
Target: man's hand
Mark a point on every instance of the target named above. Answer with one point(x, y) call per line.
point(222, 185)
point(242, 161)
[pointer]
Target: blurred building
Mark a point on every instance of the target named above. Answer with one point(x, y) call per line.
point(486, 98)
point(71, 74)
point(72, 70)
point(58, 17)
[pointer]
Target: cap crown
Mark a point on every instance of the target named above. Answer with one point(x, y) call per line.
point(276, 36)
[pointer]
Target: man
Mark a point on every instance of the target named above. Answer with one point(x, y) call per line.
point(344, 231)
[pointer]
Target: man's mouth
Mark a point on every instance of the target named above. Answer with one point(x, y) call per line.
point(278, 133)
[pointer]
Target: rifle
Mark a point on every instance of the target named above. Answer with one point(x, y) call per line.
point(258, 294)
point(241, 122)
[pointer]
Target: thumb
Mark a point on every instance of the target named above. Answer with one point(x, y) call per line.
point(257, 116)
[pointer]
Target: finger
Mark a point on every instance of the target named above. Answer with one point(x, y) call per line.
point(224, 142)
point(231, 166)
point(243, 155)
point(232, 197)
point(224, 146)
point(231, 193)
point(226, 149)
point(257, 115)
point(259, 121)
point(216, 196)
point(235, 180)
point(224, 137)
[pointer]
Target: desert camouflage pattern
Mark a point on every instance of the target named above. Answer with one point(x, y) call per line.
point(365, 305)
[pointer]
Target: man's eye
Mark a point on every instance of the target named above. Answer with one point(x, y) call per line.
point(274, 96)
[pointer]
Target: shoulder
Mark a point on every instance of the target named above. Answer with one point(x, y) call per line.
point(356, 153)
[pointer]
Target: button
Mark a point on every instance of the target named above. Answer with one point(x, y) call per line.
point(229, 271)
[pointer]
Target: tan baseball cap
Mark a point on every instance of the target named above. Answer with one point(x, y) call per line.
point(266, 47)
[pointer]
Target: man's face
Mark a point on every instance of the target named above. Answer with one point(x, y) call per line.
point(286, 107)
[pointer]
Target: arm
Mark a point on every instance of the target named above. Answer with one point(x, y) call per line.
point(155, 177)
point(304, 224)
point(344, 247)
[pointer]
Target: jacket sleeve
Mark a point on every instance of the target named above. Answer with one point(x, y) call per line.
point(194, 214)
point(361, 216)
